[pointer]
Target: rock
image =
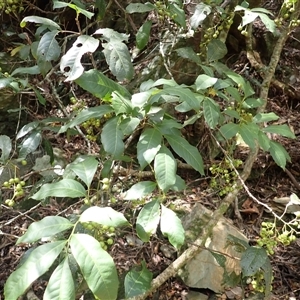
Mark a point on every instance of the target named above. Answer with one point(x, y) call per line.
point(203, 271)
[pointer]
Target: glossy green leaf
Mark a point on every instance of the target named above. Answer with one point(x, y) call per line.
point(179, 184)
point(148, 146)
point(64, 188)
point(129, 124)
point(34, 70)
point(249, 133)
point(30, 144)
point(265, 117)
point(27, 128)
point(137, 281)
point(86, 114)
point(112, 137)
point(203, 82)
point(70, 64)
point(61, 283)
point(104, 216)
point(171, 227)
point(211, 112)
point(121, 104)
point(118, 59)
point(234, 93)
point(229, 130)
point(143, 34)
point(139, 7)
point(47, 227)
point(38, 263)
point(238, 79)
point(85, 169)
point(188, 152)
point(252, 260)
point(279, 154)
point(109, 34)
point(48, 48)
point(263, 141)
point(188, 53)
point(165, 167)
point(78, 9)
point(282, 129)
point(101, 7)
point(269, 23)
point(99, 85)
point(232, 113)
point(147, 220)
point(5, 82)
point(253, 102)
point(216, 49)
point(140, 190)
point(39, 20)
point(177, 13)
point(5, 146)
point(96, 265)
point(201, 12)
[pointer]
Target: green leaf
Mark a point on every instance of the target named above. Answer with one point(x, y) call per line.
point(265, 117)
point(38, 263)
point(34, 70)
point(104, 216)
point(232, 113)
point(39, 20)
point(171, 226)
point(253, 102)
point(118, 59)
point(120, 104)
point(96, 265)
point(252, 260)
point(249, 133)
point(216, 50)
point(165, 167)
point(137, 281)
point(5, 146)
point(99, 85)
point(179, 184)
point(203, 82)
point(30, 144)
point(201, 12)
point(48, 48)
point(5, 82)
point(61, 283)
point(64, 188)
point(238, 79)
point(147, 220)
point(269, 23)
point(140, 190)
point(86, 114)
point(112, 138)
point(185, 95)
point(139, 7)
point(47, 227)
point(109, 34)
point(85, 169)
point(283, 130)
point(143, 34)
point(27, 128)
point(148, 146)
point(129, 124)
point(279, 154)
point(177, 13)
point(211, 112)
point(188, 152)
point(70, 64)
point(268, 274)
point(188, 53)
point(234, 93)
point(229, 130)
point(263, 141)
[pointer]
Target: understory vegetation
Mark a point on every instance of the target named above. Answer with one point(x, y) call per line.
point(111, 105)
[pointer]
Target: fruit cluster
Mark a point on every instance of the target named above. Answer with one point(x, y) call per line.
point(224, 176)
point(287, 9)
point(163, 12)
point(103, 233)
point(17, 185)
point(258, 282)
point(11, 6)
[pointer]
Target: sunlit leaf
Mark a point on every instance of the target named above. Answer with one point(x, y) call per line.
point(47, 227)
point(96, 265)
point(143, 34)
point(5, 146)
point(140, 190)
point(38, 262)
point(201, 12)
point(63, 188)
point(279, 154)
